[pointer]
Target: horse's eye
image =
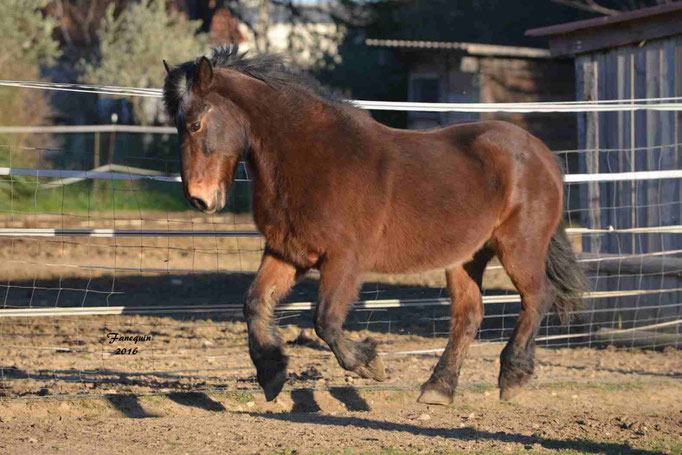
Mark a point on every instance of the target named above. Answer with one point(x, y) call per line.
point(194, 127)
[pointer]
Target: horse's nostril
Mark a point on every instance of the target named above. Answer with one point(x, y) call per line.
point(198, 203)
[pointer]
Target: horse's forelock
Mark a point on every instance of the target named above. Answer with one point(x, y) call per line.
point(268, 68)
point(181, 86)
point(176, 88)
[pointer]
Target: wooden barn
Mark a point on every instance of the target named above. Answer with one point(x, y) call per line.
point(633, 55)
point(461, 72)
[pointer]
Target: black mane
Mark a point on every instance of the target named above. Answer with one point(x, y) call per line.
point(269, 68)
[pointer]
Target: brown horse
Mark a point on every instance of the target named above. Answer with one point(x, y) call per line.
point(336, 191)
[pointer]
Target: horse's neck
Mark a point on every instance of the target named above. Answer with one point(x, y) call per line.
point(273, 130)
point(279, 124)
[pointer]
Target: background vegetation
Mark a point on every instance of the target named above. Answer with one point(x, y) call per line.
point(122, 42)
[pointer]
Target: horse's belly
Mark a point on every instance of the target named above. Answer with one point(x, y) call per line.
point(409, 254)
point(416, 264)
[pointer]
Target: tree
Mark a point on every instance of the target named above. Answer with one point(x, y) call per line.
point(79, 20)
point(610, 7)
point(302, 30)
point(26, 37)
point(26, 45)
point(133, 43)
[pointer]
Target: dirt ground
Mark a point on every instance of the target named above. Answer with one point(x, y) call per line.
point(187, 385)
point(191, 389)
point(640, 415)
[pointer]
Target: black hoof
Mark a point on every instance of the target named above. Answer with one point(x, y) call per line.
point(515, 371)
point(271, 367)
point(272, 383)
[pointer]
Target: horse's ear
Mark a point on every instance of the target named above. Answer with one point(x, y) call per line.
point(204, 74)
point(165, 65)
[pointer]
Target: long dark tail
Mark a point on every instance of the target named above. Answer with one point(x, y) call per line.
point(566, 276)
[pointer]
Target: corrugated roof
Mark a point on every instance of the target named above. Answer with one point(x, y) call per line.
point(607, 20)
point(470, 48)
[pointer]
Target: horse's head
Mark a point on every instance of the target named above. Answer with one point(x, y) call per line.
point(213, 133)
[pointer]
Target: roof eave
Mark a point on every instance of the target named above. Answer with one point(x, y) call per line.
point(477, 49)
point(599, 22)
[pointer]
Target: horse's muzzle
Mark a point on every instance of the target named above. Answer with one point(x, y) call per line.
point(206, 205)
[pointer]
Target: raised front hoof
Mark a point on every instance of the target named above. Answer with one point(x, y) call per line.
point(434, 397)
point(509, 392)
point(272, 383)
point(432, 394)
point(373, 370)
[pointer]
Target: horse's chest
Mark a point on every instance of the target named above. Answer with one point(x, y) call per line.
point(289, 243)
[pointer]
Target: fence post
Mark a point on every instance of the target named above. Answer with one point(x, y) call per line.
point(591, 93)
point(96, 157)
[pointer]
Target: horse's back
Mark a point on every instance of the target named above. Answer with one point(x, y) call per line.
point(452, 186)
point(518, 161)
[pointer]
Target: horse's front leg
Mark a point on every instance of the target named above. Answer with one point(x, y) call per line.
point(340, 279)
point(274, 280)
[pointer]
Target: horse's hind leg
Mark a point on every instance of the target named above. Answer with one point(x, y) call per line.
point(273, 281)
point(521, 245)
point(464, 285)
point(339, 283)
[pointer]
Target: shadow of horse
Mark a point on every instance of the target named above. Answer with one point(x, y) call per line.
point(462, 434)
point(129, 404)
point(151, 379)
point(304, 400)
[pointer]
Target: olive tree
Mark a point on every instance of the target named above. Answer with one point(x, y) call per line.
point(133, 43)
point(27, 44)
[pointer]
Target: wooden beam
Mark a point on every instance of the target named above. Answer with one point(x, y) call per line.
point(617, 34)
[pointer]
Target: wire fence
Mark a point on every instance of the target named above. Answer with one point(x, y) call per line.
point(114, 249)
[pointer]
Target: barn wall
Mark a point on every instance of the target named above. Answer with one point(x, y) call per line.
point(640, 141)
point(470, 79)
point(624, 142)
point(509, 80)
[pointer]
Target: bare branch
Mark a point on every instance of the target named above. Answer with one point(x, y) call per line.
point(62, 23)
point(588, 5)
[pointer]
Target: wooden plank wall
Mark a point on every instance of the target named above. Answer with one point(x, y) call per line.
point(643, 141)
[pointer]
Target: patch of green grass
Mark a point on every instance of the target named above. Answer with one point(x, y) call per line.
point(172, 443)
point(483, 387)
point(30, 195)
point(86, 404)
point(399, 395)
point(639, 447)
point(395, 451)
point(659, 446)
point(508, 403)
point(241, 397)
point(579, 448)
point(606, 386)
point(26, 195)
point(460, 406)
point(616, 386)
